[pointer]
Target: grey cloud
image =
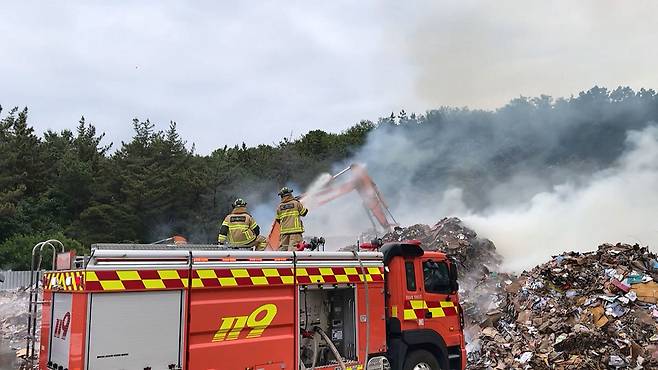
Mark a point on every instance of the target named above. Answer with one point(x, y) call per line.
point(221, 67)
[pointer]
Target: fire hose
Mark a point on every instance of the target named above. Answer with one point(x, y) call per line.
point(316, 344)
point(332, 347)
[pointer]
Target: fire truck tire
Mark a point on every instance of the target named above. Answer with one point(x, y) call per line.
point(421, 360)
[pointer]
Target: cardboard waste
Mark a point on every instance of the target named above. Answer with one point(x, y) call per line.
point(595, 310)
point(454, 238)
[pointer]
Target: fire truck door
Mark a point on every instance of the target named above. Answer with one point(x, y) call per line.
point(439, 311)
point(60, 335)
point(413, 296)
point(135, 330)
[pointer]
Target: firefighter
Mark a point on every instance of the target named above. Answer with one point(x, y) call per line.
point(288, 215)
point(241, 229)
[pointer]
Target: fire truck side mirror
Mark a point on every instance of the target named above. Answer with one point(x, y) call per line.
point(454, 284)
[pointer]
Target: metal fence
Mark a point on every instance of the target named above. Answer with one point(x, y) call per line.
point(15, 279)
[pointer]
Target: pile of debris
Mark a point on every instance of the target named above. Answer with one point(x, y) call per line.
point(593, 310)
point(451, 236)
point(13, 324)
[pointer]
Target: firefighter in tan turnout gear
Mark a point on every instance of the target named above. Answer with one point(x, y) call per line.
point(240, 229)
point(288, 215)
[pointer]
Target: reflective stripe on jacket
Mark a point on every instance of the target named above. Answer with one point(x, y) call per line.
point(289, 213)
point(239, 228)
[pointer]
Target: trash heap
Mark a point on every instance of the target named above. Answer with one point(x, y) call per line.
point(451, 236)
point(593, 310)
point(13, 322)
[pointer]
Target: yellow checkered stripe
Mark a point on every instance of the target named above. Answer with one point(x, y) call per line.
point(418, 309)
point(120, 280)
point(354, 367)
point(63, 280)
point(324, 275)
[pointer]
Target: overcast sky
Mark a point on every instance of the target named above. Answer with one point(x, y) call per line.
point(258, 71)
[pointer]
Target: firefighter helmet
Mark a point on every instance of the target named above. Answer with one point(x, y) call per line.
point(239, 203)
point(285, 191)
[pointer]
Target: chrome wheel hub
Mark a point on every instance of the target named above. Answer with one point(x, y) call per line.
point(422, 366)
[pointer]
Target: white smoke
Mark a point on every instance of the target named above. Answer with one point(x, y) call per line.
point(619, 204)
point(532, 220)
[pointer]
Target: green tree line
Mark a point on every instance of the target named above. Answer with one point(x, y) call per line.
point(71, 185)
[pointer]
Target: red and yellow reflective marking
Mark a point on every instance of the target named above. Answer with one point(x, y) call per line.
point(417, 308)
point(135, 280)
point(63, 280)
point(315, 275)
point(120, 280)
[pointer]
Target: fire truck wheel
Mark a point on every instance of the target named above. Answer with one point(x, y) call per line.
point(421, 360)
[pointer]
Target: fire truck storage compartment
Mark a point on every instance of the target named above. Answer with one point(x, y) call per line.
point(330, 309)
point(60, 336)
point(135, 330)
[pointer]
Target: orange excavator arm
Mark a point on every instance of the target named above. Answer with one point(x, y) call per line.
point(360, 182)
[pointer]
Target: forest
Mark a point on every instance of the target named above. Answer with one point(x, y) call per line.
point(75, 186)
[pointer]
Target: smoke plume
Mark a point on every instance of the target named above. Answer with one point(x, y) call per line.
point(538, 176)
point(619, 204)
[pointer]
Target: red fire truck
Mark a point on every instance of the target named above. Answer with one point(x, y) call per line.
point(190, 307)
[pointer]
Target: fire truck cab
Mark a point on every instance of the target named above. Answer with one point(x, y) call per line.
point(146, 307)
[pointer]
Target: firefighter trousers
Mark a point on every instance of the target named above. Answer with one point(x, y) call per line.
point(289, 241)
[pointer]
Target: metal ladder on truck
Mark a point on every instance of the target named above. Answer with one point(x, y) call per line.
point(33, 303)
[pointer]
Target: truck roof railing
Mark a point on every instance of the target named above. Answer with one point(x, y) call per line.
point(108, 255)
point(156, 247)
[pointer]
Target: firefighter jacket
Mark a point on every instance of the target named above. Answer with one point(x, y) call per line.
point(239, 228)
point(289, 213)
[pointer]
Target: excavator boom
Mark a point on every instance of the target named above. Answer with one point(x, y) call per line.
point(360, 182)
